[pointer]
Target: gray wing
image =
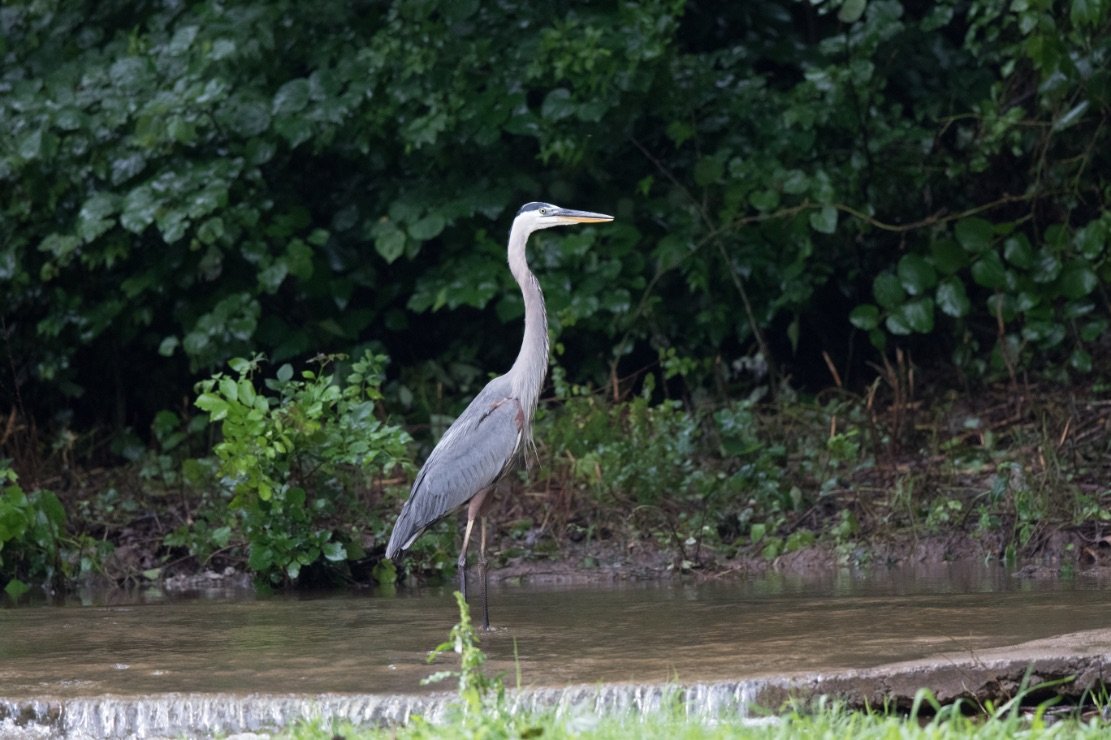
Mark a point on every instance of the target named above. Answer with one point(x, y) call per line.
point(472, 454)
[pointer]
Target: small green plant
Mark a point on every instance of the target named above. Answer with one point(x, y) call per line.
point(293, 459)
point(482, 709)
point(475, 688)
point(943, 512)
point(31, 530)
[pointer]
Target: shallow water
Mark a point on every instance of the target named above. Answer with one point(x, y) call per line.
point(365, 643)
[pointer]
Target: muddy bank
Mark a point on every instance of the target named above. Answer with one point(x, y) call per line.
point(1067, 553)
point(1064, 554)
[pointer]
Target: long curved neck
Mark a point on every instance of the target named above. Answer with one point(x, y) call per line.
point(531, 366)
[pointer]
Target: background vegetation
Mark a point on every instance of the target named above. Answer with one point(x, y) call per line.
point(809, 195)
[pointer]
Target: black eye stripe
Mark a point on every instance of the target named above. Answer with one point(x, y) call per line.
point(542, 207)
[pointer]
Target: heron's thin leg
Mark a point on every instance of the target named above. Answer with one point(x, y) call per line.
point(463, 556)
point(482, 572)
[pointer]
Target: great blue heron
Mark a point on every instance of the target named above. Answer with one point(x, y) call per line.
point(482, 444)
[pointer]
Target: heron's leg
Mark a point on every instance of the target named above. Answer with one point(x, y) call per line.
point(482, 572)
point(474, 508)
point(463, 556)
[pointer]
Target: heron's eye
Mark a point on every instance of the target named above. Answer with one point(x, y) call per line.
point(543, 211)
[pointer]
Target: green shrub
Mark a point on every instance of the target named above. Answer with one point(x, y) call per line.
point(295, 458)
point(31, 529)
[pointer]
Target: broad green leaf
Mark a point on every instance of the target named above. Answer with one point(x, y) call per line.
point(50, 506)
point(182, 131)
point(299, 259)
point(250, 118)
point(918, 314)
point(948, 256)
point(285, 373)
point(428, 227)
point(260, 557)
point(216, 407)
point(334, 551)
point(708, 170)
point(757, 532)
point(30, 144)
point(271, 277)
point(1046, 267)
point(1081, 360)
point(292, 97)
point(211, 230)
point(952, 298)
point(229, 389)
point(172, 223)
point(557, 105)
point(389, 240)
point(974, 234)
point(139, 209)
point(896, 324)
point(796, 183)
point(1078, 280)
point(916, 274)
point(989, 272)
point(1085, 12)
point(680, 131)
point(1094, 329)
point(824, 220)
point(245, 392)
point(1091, 240)
point(221, 536)
point(1045, 333)
point(96, 216)
point(764, 200)
point(1018, 252)
point(295, 130)
point(59, 246)
point(16, 588)
point(888, 291)
point(851, 10)
point(182, 40)
point(865, 316)
point(222, 49)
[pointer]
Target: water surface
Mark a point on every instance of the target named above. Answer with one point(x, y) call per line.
point(366, 643)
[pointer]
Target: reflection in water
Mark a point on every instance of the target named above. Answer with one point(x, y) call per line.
point(362, 643)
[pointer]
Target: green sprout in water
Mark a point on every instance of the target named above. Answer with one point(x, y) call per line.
point(475, 687)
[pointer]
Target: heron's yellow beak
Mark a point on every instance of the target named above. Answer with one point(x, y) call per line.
point(568, 215)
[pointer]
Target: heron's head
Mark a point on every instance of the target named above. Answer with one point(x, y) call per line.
point(535, 216)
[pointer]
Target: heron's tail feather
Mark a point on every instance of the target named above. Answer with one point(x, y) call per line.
point(404, 532)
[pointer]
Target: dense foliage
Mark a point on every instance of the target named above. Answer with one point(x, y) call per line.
point(801, 188)
point(183, 183)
